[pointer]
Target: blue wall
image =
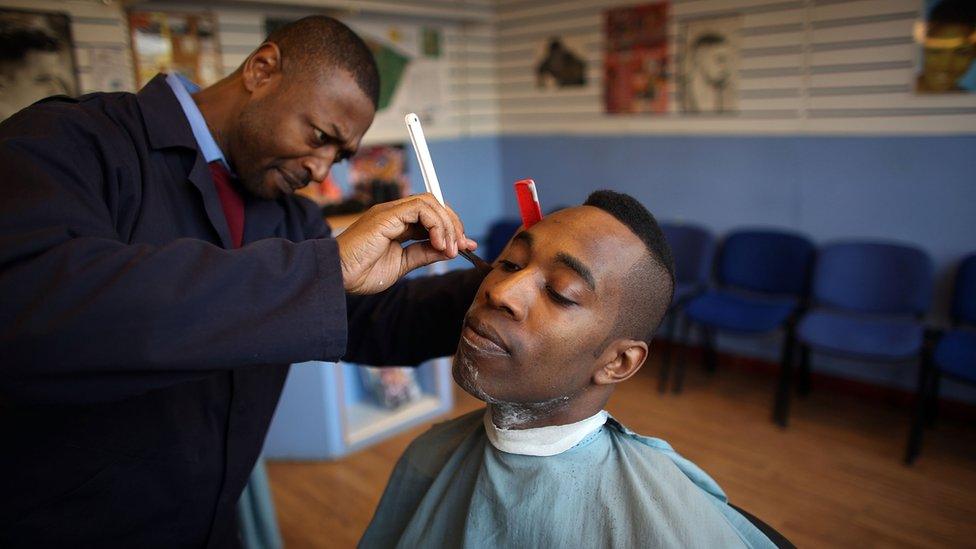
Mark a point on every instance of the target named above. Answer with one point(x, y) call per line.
point(469, 171)
point(920, 190)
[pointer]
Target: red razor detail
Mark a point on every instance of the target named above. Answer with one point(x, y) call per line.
point(528, 201)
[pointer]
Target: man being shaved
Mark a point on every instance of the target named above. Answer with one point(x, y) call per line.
point(566, 313)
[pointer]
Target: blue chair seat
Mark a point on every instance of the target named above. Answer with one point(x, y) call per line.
point(861, 336)
point(956, 354)
point(739, 312)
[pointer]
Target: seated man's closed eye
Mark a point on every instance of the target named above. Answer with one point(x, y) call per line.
point(567, 312)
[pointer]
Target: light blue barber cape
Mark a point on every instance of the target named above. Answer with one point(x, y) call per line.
point(452, 488)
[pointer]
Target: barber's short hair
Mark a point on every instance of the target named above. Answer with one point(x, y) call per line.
point(324, 43)
point(650, 286)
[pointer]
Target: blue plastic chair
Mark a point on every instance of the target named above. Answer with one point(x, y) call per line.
point(868, 302)
point(763, 278)
point(499, 234)
point(954, 356)
point(692, 247)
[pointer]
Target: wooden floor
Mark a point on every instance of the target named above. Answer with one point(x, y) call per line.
point(833, 479)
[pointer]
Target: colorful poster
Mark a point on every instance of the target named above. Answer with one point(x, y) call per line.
point(36, 58)
point(709, 77)
point(636, 62)
point(560, 64)
point(378, 174)
point(183, 42)
point(948, 47)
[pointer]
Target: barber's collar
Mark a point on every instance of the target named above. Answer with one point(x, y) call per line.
point(182, 88)
point(542, 441)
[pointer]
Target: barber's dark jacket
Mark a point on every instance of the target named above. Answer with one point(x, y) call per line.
point(141, 358)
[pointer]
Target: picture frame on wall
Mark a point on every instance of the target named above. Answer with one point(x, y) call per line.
point(947, 48)
point(37, 58)
point(637, 75)
point(708, 81)
point(560, 63)
point(174, 41)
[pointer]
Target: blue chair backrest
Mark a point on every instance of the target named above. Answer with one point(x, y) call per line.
point(874, 277)
point(964, 297)
point(774, 262)
point(692, 247)
point(499, 234)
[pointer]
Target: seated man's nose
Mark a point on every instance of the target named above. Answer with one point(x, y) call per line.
point(509, 298)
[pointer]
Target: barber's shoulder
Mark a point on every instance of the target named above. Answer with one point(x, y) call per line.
point(94, 116)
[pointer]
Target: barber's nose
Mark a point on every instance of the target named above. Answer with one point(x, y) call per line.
point(317, 168)
point(512, 294)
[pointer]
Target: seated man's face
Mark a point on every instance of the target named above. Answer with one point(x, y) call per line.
point(540, 322)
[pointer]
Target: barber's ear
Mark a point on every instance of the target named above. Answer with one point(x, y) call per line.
point(619, 361)
point(262, 66)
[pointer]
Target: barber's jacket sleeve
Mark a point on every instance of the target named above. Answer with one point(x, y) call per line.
point(415, 320)
point(77, 302)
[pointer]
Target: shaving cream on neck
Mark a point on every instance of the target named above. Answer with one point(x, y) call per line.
point(542, 441)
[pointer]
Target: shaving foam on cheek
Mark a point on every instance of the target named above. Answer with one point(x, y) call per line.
point(528, 200)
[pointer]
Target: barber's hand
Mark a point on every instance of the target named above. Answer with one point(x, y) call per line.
point(371, 250)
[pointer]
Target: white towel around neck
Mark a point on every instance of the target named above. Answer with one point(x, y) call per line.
point(542, 441)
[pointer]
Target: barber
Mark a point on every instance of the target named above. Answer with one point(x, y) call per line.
point(158, 276)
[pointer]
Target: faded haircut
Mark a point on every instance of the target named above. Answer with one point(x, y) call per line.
point(650, 283)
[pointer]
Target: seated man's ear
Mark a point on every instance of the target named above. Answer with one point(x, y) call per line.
point(620, 360)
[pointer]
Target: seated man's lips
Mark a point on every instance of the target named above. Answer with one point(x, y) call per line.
point(482, 337)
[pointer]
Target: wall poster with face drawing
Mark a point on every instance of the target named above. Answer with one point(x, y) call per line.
point(948, 47)
point(636, 71)
point(36, 58)
point(709, 66)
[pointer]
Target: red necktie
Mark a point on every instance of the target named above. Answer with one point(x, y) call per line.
point(231, 201)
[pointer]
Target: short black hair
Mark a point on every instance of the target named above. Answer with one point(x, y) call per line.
point(645, 305)
point(709, 39)
point(954, 11)
point(320, 41)
point(15, 42)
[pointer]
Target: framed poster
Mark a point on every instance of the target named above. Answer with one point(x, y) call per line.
point(36, 58)
point(560, 64)
point(636, 62)
point(709, 75)
point(168, 41)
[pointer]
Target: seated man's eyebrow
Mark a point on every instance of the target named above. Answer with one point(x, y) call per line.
point(525, 237)
point(578, 266)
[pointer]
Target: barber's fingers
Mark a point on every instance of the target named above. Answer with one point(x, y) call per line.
point(455, 229)
point(463, 242)
point(425, 211)
point(418, 255)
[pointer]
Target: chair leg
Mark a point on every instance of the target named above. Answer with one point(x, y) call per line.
point(709, 356)
point(781, 407)
point(669, 330)
point(803, 383)
point(927, 389)
point(679, 374)
point(932, 406)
